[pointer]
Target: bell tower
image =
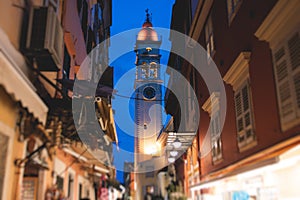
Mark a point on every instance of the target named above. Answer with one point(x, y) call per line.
point(148, 107)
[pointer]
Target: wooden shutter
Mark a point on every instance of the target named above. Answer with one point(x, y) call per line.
point(217, 124)
point(215, 137)
point(239, 112)
point(294, 54)
point(209, 36)
point(212, 136)
point(218, 136)
point(244, 115)
point(297, 88)
point(246, 107)
point(248, 116)
point(284, 87)
point(213, 127)
point(294, 51)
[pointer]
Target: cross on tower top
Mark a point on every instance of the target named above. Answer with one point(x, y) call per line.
point(148, 16)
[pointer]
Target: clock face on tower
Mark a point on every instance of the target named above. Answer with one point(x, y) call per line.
point(149, 92)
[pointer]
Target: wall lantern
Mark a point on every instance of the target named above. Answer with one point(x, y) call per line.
point(171, 159)
point(177, 144)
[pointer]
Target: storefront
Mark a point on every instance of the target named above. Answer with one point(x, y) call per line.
point(270, 182)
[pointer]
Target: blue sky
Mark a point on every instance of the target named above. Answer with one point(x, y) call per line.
point(127, 15)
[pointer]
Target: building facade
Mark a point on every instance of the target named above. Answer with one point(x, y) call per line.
point(42, 47)
point(255, 46)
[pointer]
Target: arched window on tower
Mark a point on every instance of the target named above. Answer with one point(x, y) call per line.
point(153, 70)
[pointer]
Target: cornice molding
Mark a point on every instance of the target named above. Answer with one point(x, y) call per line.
point(212, 103)
point(282, 19)
point(239, 71)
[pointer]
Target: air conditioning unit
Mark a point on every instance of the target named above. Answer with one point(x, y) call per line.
point(45, 38)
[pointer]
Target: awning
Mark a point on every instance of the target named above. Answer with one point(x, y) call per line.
point(19, 87)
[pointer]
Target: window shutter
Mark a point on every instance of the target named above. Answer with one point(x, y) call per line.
point(215, 137)
point(294, 50)
point(239, 112)
point(212, 127)
point(297, 88)
point(244, 116)
point(217, 124)
point(246, 107)
point(238, 104)
point(283, 86)
point(245, 98)
point(209, 36)
point(247, 119)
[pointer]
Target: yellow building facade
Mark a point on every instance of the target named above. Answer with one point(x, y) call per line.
point(33, 164)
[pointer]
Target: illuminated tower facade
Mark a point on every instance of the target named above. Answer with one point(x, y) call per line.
point(148, 109)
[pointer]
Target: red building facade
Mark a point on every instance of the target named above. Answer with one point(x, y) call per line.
point(255, 46)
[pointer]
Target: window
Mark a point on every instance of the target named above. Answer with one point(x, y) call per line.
point(209, 37)
point(215, 134)
point(232, 8)
point(192, 81)
point(238, 77)
point(153, 70)
point(30, 187)
point(71, 186)
point(286, 61)
point(144, 73)
point(153, 73)
point(80, 191)
point(244, 122)
point(149, 71)
point(213, 108)
point(60, 182)
point(285, 45)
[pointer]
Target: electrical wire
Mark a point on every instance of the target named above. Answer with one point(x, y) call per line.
point(140, 99)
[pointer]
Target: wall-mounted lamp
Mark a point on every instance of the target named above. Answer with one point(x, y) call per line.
point(148, 49)
point(174, 153)
point(171, 159)
point(177, 144)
